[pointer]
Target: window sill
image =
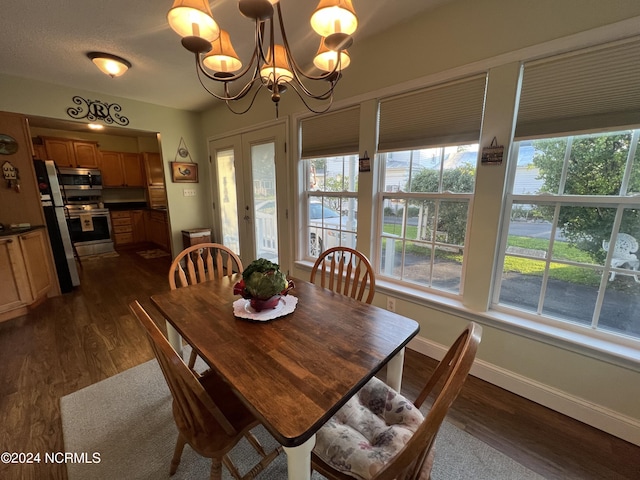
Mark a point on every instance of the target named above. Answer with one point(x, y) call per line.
point(569, 337)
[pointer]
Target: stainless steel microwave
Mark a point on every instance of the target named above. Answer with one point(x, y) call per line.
point(80, 179)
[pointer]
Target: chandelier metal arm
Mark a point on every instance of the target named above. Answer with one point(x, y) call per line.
point(312, 110)
point(248, 107)
point(257, 54)
point(228, 96)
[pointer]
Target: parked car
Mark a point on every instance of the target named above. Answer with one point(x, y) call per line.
point(326, 229)
point(326, 226)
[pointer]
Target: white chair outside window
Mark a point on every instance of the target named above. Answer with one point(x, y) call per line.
point(624, 253)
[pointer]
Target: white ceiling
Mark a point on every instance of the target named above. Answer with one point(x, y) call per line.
point(48, 41)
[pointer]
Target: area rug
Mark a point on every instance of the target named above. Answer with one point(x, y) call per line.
point(155, 253)
point(126, 420)
point(99, 256)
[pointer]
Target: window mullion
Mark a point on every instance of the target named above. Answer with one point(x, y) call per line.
point(565, 166)
point(627, 171)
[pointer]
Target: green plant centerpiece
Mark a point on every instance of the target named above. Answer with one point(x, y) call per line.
point(263, 284)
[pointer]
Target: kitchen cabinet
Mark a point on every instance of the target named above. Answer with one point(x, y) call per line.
point(71, 153)
point(158, 229)
point(153, 169)
point(128, 227)
point(39, 151)
point(122, 169)
point(157, 197)
point(25, 272)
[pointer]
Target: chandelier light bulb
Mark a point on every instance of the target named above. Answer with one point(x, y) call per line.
point(222, 57)
point(193, 18)
point(334, 16)
point(327, 60)
point(281, 73)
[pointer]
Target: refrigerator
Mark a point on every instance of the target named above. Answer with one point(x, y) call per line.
point(56, 219)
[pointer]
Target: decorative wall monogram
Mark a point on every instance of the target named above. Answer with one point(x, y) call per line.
point(97, 110)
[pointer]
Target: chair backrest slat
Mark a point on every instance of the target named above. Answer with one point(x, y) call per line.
point(345, 271)
point(212, 261)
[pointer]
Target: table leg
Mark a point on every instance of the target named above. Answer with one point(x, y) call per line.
point(299, 460)
point(174, 338)
point(394, 371)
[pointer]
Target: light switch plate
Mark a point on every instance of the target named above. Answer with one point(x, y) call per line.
point(189, 192)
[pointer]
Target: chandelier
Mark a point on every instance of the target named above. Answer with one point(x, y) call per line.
point(272, 64)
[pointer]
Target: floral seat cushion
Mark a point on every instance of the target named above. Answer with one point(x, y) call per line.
point(369, 430)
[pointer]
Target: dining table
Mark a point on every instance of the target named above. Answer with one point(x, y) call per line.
point(295, 365)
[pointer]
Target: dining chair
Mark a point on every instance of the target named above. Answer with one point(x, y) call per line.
point(380, 435)
point(200, 263)
point(209, 416)
point(345, 271)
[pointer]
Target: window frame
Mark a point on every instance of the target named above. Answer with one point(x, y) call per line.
point(620, 202)
point(432, 244)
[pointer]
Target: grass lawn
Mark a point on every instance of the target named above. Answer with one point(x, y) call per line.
point(525, 266)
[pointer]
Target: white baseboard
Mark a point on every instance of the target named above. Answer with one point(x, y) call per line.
point(614, 423)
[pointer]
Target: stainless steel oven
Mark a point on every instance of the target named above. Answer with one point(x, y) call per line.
point(90, 229)
point(89, 222)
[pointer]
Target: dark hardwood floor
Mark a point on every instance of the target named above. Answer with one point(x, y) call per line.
point(72, 341)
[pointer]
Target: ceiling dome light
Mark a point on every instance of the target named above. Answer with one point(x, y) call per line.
point(111, 65)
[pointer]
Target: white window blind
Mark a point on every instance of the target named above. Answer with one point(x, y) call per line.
point(335, 133)
point(592, 89)
point(441, 115)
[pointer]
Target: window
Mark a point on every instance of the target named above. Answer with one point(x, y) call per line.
point(428, 152)
point(572, 198)
point(424, 214)
point(332, 202)
point(329, 172)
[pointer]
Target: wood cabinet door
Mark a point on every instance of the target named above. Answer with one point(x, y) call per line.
point(86, 154)
point(14, 286)
point(138, 223)
point(40, 152)
point(153, 167)
point(133, 170)
point(111, 168)
point(60, 151)
point(37, 263)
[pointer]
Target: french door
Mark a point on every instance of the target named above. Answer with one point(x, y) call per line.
point(250, 182)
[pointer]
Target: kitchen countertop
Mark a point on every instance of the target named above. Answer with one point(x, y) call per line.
point(126, 206)
point(7, 232)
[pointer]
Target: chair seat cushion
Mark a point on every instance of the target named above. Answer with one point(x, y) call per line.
point(368, 431)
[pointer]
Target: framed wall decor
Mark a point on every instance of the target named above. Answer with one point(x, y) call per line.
point(182, 172)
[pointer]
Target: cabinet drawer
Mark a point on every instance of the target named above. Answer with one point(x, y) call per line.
point(120, 221)
point(124, 214)
point(123, 238)
point(122, 228)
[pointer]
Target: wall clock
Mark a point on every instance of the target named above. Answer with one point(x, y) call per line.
point(8, 145)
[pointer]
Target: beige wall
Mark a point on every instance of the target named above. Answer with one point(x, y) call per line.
point(31, 97)
point(458, 38)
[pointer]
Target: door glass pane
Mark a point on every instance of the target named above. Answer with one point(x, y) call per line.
point(263, 173)
point(228, 199)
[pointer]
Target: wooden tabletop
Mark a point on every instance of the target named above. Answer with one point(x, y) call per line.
point(295, 371)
